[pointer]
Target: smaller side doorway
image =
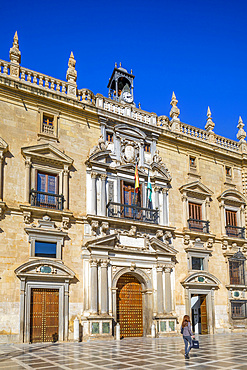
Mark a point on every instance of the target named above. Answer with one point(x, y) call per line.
point(199, 313)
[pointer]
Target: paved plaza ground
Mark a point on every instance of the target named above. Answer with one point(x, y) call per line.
point(222, 351)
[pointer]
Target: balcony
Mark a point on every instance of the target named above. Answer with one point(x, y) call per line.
point(198, 225)
point(132, 212)
point(46, 200)
point(235, 232)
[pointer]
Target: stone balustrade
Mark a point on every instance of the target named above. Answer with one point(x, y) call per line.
point(86, 96)
point(226, 143)
point(127, 111)
point(193, 132)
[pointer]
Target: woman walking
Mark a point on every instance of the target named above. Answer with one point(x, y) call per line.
point(187, 335)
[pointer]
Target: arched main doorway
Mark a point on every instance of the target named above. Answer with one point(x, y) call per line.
point(129, 306)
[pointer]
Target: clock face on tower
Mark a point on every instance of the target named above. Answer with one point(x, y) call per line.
point(127, 97)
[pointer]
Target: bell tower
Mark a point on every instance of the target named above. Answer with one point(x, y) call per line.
point(121, 85)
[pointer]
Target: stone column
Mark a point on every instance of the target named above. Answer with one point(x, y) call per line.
point(141, 154)
point(222, 214)
point(213, 309)
point(185, 212)
point(1, 175)
point(168, 290)
point(165, 206)
point(104, 286)
point(160, 305)
point(27, 172)
point(66, 187)
point(22, 309)
point(94, 286)
point(207, 205)
point(94, 193)
point(103, 194)
point(66, 310)
point(242, 216)
point(187, 301)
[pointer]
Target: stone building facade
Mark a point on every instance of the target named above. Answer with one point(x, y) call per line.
point(82, 243)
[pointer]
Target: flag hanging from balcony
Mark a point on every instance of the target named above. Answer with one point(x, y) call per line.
point(150, 190)
point(137, 185)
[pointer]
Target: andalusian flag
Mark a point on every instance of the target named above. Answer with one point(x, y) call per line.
point(137, 185)
point(150, 190)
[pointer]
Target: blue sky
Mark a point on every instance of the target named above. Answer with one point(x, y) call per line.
point(196, 48)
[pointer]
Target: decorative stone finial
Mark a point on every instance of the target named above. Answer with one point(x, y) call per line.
point(131, 71)
point(115, 66)
point(139, 105)
point(241, 135)
point(71, 75)
point(210, 124)
point(174, 113)
point(14, 52)
point(120, 64)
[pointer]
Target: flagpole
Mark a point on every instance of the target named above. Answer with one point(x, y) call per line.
point(147, 192)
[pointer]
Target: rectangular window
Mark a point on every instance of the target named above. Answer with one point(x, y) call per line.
point(147, 148)
point(195, 211)
point(47, 185)
point(132, 199)
point(236, 269)
point(231, 218)
point(228, 171)
point(48, 125)
point(192, 162)
point(238, 309)
point(109, 137)
point(45, 249)
point(197, 263)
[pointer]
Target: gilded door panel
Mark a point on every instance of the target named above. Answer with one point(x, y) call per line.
point(129, 306)
point(44, 315)
point(204, 323)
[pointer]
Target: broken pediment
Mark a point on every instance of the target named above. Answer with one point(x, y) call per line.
point(46, 152)
point(126, 131)
point(164, 248)
point(196, 188)
point(160, 170)
point(107, 241)
point(44, 268)
point(201, 279)
point(100, 156)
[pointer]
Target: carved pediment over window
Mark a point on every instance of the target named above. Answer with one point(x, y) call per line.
point(196, 189)
point(203, 280)
point(44, 268)
point(232, 197)
point(46, 153)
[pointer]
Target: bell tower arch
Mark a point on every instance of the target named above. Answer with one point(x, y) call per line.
point(121, 85)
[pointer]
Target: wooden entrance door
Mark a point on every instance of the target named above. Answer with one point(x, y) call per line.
point(44, 315)
point(204, 321)
point(129, 306)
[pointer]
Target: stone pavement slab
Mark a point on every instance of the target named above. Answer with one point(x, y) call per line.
point(219, 351)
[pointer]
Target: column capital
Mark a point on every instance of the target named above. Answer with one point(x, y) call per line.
point(94, 175)
point(93, 262)
point(104, 263)
point(156, 188)
point(103, 176)
point(159, 268)
point(164, 190)
point(168, 269)
point(28, 162)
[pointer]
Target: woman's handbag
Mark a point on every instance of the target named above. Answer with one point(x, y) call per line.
point(195, 343)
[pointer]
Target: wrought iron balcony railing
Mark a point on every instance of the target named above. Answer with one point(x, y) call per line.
point(235, 231)
point(198, 225)
point(46, 200)
point(132, 212)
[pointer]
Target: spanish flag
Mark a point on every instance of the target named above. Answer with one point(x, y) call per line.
point(137, 185)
